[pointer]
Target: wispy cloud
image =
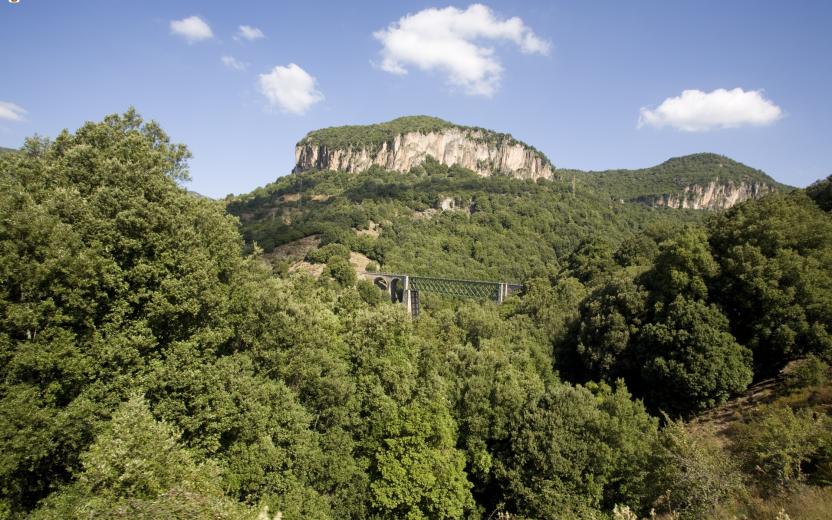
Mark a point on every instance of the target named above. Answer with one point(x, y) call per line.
point(249, 33)
point(11, 112)
point(192, 28)
point(290, 88)
point(698, 111)
point(233, 63)
point(449, 40)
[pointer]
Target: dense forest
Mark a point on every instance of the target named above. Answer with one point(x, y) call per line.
point(156, 361)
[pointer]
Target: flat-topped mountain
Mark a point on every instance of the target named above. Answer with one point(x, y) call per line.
point(403, 143)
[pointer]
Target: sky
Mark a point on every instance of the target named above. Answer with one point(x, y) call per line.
point(593, 84)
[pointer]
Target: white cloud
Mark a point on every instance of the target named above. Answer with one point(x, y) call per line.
point(233, 63)
point(250, 33)
point(11, 112)
point(450, 39)
point(291, 88)
point(697, 111)
point(192, 28)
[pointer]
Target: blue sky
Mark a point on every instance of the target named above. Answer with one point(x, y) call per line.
point(570, 78)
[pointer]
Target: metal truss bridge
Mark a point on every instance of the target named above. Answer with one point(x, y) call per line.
point(405, 289)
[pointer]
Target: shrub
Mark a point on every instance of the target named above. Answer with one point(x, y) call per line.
point(692, 475)
point(369, 293)
point(779, 443)
point(322, 255)
point(341, 271)
point(810, 371)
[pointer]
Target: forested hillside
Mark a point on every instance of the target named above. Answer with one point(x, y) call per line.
point(493, 227)
point(153, 365)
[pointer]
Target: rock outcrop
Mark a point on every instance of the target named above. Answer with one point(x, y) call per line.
point(715, 195)
point(484, 152)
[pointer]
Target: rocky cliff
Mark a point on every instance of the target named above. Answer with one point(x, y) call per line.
point(699, 181)
point(714, 195)
point(406, 142)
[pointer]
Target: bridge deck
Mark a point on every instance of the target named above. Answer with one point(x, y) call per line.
point(454, 287)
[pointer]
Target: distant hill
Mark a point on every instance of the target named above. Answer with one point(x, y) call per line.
point(6, 150)
point(698, 181)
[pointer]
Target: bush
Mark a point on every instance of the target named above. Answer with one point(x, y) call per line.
point(322, 255)
point(778, 445)
point(369, 293)
point(692, 475)
point(341, 271)
point(810, 371)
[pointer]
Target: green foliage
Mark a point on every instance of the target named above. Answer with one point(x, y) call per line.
point(341, 271)
point(373, 136)
point(692, 474)
point(324, 254)
point(778, 443)
point(419, 473)
point(506, 229)
point(136, 457)
point(683, 267)
point(369, 292)
point(318, 399)
point(135, 468)
point(821, 192)
point(575, 450)
point(808, 372)
point(692, 361)
point(776, 286)
point(610, 318)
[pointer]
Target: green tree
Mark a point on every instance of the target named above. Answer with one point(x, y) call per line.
point(776, 283)
point(577, 450)
point(683, 267)
point(418, 474)
point(341, 271)
point(136, 469)
point(611, 317)
point(104, 260)
point(821, 192)
point(691, 360)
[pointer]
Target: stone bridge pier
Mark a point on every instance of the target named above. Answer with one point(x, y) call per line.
point(398, 289)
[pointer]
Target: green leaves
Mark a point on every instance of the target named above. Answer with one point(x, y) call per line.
point(693, 362)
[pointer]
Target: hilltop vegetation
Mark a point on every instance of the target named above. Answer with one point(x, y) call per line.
point(373, 136)
point(152, 365)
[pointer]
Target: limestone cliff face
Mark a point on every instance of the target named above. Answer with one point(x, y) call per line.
point(714, 195)
point(468, 148)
